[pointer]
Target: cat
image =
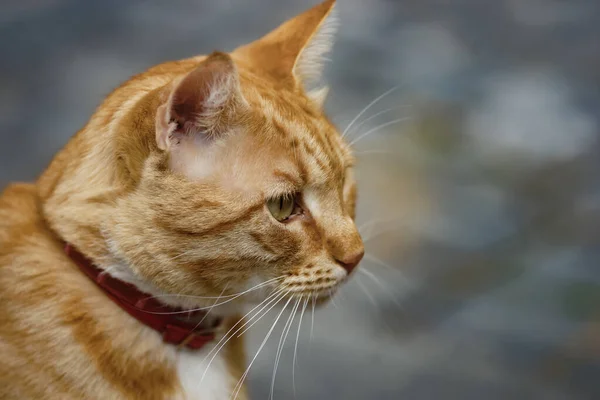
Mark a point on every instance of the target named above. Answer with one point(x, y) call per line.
point(201, 186)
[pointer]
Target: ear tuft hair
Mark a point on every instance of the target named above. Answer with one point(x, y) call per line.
point(318, 96)
point(309, 65)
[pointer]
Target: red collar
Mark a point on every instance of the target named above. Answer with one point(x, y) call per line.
point(168, 321)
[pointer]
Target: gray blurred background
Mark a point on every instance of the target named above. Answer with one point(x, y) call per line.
point(480, 206)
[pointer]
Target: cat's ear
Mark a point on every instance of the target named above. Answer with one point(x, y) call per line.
point(295, 52)
point(201, 103)
point(319, 95)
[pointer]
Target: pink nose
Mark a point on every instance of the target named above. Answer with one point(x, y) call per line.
point(350, 262)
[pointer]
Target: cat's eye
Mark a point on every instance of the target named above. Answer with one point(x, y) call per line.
point(281, 208)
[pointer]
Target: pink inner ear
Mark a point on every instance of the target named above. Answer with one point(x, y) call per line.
point(188, 103)
point(199, 100)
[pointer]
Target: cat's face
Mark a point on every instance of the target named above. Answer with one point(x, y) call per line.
point(252, 185)
point(272, 197)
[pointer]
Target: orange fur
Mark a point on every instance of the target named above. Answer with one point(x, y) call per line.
point(165, 187)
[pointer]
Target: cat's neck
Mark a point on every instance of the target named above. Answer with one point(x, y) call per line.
point(227, 306)
point(79, 189)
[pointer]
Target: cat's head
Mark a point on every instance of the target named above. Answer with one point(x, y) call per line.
point(250, 182)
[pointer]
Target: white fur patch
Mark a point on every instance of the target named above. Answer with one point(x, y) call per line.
point(313, 204)
point(194, 158)
point(216, 384)
point(123, 273)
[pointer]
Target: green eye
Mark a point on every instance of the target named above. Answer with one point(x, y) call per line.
point(281, 207)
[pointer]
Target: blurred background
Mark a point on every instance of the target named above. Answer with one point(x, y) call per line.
point(479, 184)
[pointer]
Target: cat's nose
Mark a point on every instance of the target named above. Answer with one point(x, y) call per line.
point(350, 261)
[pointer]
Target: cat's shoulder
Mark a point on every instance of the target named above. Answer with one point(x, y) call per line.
point(18, 204)
point(22, 230)
point(20, 220)
point(60, 338)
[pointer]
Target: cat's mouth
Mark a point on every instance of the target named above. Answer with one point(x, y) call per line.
point(318, 297)
point(319, 292)
point(315, 282)
point(316, 293)
point(315, 289)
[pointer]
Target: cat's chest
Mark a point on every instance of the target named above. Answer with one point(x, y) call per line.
point(199, 382)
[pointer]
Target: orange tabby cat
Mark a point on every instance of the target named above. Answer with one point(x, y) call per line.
point(211, 181)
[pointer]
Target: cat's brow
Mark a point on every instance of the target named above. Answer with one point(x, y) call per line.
point(289, 178)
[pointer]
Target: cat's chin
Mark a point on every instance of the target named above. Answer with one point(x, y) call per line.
point(322, 299)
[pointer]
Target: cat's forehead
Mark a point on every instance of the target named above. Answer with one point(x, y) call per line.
point(282, 142)
point(306, 138)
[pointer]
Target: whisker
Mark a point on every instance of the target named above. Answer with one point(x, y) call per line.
point(296, 346)
point(372, 117)
point(415, 322)
point(385, 288)
point(108, 270)
point(276, 296)
point(265, 313)
point(340, 294)
point(375, 305)
point(364, 289)
point(312, 317)
point(362, 227)
point(385, 229)
point(210, 309)
point(376, 261)
point(375, 221)
point(370, 131)
point(240, 382)
point(265, 283)
point(214, 297)
point(185, 253)
point(371, 104)
point(284, 333)
point(332, 299)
